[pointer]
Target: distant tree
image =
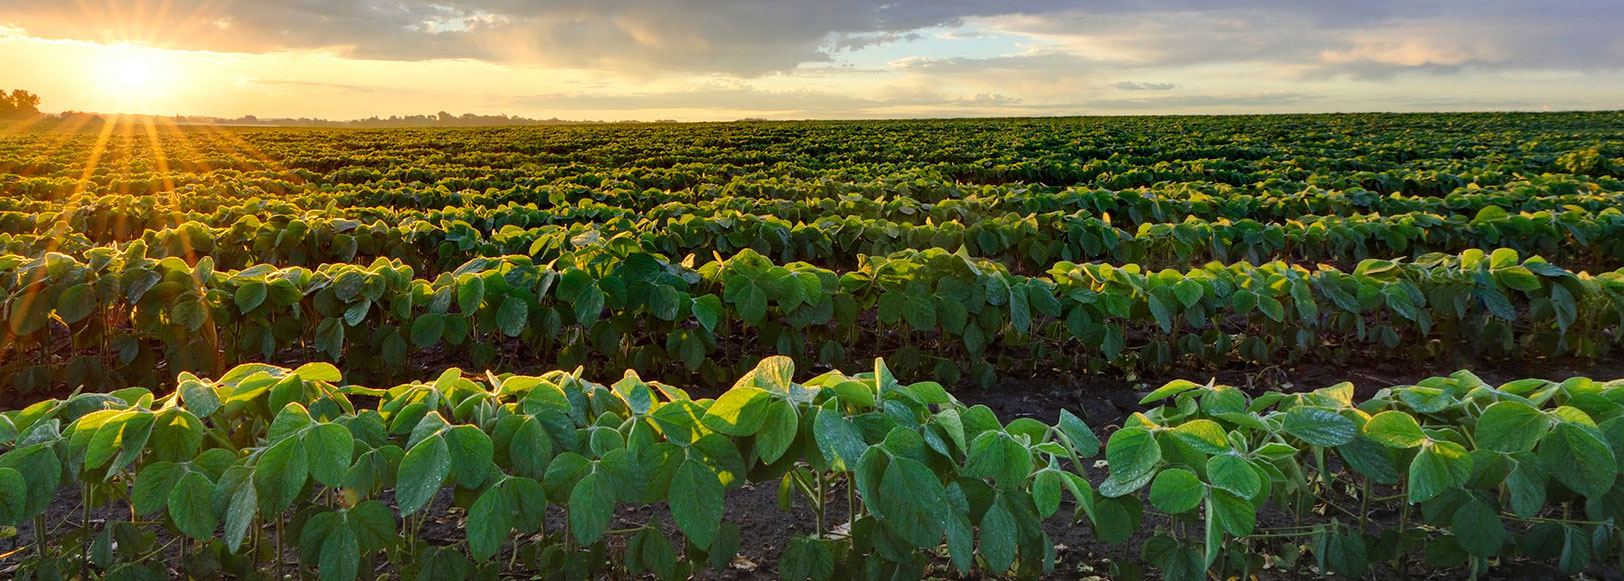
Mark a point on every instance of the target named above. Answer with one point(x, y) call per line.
point(19, 104)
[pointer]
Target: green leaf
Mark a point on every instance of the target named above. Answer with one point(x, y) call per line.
point(489, 521)
point(13, 497)
point(913, 501)
point(1439, 466)
point(840, 442)
point(356, 313)
point(1162, 312)
point(695, 497)
point(652, 551)
point(191, 506)
point(189, 312)
point(707, 310)
point(153, 485)
point(752, 302)
point(592, 506)
point(240, 514)
point(1518, 278)
point(1116, 519)
point(374, 525)
point(1020, 314)
point(512, 316)
point(470, 293)
point(960, 534)
point(340, 555)
point(76, 303)
point(1526, 487)
point(1579, 458)
point(1395, 429)
point(1168, 390)
point(422, 471)
point(919, 309)
point(199, 398)
point(1478, 529)
point(774, 374)
point(1205, 436)
point(1188, 291)
point(806, 558)
point(1234, 474)
point(1176, 490)
point(1081, 437)
point(778, 432)
point(998, 456)
point(1319, 426)
point(1046, 487)
point(120, 440)
point(739, 412)
point(280, 475)
point(329, 448)
point(1131, 453)
point(1272, 308)
point(1509, 427)
point(250, 295)
point(1237, 515)
point(999, 532)
point(426, 330)
point(471, 452)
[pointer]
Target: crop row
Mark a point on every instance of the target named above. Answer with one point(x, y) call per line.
point(1573, 238)
point(926, 310)
point(267, 460)
point(802, 200)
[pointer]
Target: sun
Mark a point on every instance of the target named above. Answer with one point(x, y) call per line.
point(133, 79)
point(133, 75)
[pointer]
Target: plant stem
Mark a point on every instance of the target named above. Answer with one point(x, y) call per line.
point(1364, 505)
point(278, 557)
point(819, 504)
point(39, 536)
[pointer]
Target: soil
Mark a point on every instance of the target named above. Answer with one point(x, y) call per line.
point(1103, 401)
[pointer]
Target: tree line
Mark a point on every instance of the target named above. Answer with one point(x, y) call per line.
point(18, 104)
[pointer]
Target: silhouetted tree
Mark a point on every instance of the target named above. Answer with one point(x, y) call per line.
point(19, 104)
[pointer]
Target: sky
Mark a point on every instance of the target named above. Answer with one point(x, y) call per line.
point(697, 60)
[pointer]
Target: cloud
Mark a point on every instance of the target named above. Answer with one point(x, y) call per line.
point(750, 37)
point(1362, 39)
point(1141, 86)
point(1224, 101)
point(841, 58)
point(789, 104)
point(347, 87)
point(741, 37)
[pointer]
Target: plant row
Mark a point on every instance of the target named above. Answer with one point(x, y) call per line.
point(110, 217)
point(268, 460)
point(614, 304)
point(1574, 238)
point(900, 480)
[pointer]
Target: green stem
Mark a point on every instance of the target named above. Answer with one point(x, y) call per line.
point(1364, 505)
point(278, 556)
point(84, 523)
point(39, 536)
point(818, 506)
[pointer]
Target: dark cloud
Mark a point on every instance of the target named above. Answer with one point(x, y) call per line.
point(755, 37)
point(744, 37)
